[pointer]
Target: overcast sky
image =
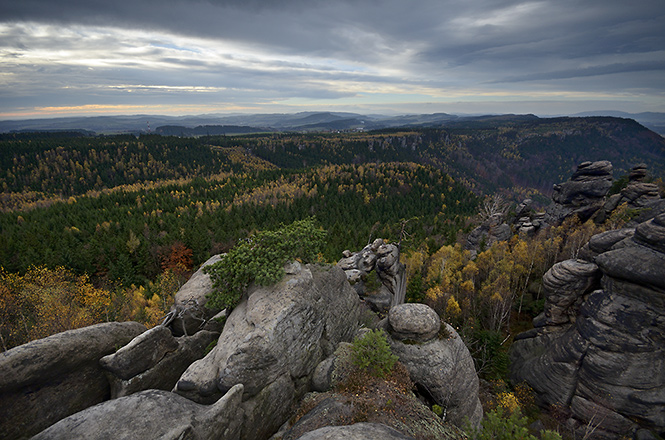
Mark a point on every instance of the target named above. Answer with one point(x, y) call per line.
point(93, 57)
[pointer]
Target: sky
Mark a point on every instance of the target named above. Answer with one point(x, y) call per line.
point(177, 57)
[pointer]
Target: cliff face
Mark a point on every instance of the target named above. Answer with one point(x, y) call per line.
point(598, 349)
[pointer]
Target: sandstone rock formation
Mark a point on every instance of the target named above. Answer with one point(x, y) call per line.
point(493, 229)
point(390, 403)
point(637, 194)
point(567, 283)
point(189, 313)
point(384, 258)
point(600, 348)
point(49, 379)
point(277, 345)
point(583, 194)
point(437, 361)
point(153, 414)
point(272, 342)
point(154, 360)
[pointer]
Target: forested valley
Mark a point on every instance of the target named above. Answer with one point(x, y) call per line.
point(108, 228)
point(104, 228)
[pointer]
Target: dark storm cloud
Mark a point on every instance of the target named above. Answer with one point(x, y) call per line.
point(331, 49)
point(449, 28)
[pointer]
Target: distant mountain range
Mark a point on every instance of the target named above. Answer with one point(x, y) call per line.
point(211, 124)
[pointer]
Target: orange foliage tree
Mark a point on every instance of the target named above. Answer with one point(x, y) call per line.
point(179, 260)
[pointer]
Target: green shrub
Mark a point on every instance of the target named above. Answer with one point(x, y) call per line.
point(618, 185)
point(261, 259)
point(211, 346)
point(372, 353)
point(496, 426)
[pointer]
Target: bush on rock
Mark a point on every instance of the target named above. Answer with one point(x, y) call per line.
point(372, 353)
point(261, 258)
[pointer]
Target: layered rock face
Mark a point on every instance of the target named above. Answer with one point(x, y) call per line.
point(272, 343)
point(637, 194)
point(599, 347)
point(583, 194)
point(48, 379)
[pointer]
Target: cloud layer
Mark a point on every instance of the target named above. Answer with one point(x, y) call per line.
point(180, 56)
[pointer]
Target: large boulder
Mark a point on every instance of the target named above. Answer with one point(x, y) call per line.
point(153, 414)
point(49, 379)
point(272, 342)
point(437, 360)
point(607, 363)
point(413, 322)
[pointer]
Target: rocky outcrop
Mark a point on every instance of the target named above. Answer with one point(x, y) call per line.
point(601, 349)
point(272, 342)
point(637, 194)
point(154, 360)
point(49, 379)
point(384, 258)
point(277, 345)
point(583, 194)
point(189, 313)
point(153, 414)
point(493, 229)
point(342, 401)
point(437, 361)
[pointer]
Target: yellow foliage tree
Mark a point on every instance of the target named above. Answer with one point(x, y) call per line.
point(453, 309)
point(148, 304)
point(46, 301)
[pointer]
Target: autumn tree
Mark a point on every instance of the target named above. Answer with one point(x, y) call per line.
point(178, 260)
point(47, 301)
